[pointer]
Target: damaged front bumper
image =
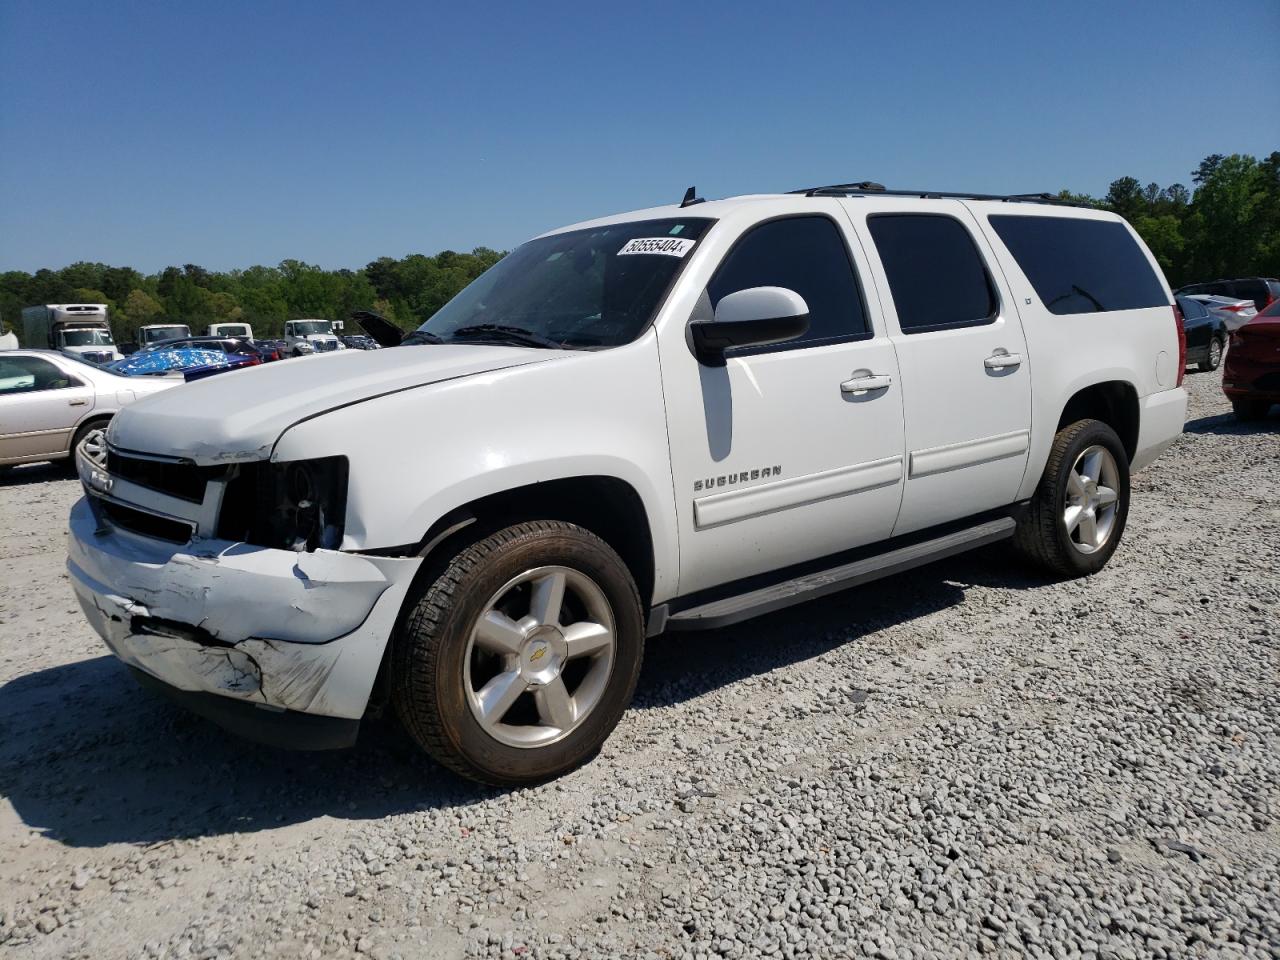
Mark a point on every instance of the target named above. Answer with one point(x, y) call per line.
point(274, 629)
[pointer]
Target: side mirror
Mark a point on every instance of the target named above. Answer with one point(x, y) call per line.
point(749, 318)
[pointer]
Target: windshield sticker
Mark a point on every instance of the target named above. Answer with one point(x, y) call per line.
point(667, 246)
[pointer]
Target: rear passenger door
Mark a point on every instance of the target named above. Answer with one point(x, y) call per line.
point(966, 382)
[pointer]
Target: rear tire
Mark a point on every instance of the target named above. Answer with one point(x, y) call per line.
point(518, 659)
point(1213, 359)
point(1077, 515)
point(1246, 410)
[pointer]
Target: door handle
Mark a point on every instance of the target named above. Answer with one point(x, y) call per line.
point(76, 403)
point(860, 385)
point(999, 361)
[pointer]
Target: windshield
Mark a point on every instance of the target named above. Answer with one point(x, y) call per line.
point(165, 333)
point(86, 338)
point(233, 330)
point(589, 288)
point(304, 328)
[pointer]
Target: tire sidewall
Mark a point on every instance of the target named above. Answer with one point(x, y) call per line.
point(470, 598)
point(1096, 433)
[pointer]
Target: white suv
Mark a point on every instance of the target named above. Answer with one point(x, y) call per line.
point(665, 420)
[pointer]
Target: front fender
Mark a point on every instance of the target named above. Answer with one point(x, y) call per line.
point(417, 455)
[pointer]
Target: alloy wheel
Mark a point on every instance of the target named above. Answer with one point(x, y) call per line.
point(539, 656)
point(1091, 502)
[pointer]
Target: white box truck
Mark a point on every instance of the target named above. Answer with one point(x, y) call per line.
point(80, 329)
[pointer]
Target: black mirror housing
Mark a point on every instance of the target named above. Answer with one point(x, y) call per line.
point(711, 338)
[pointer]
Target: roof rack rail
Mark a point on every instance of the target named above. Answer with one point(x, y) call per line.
point(871, 188)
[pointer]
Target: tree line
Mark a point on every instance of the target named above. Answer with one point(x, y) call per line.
point(406, 291)
point(1226, 225)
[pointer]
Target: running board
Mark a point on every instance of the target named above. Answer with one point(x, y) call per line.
point(755, 603)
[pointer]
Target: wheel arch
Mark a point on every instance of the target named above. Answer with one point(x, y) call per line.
point(1114, 402)
point(608, 506)
point(99, 417)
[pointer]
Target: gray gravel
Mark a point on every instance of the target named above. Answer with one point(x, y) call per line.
point(967, 759)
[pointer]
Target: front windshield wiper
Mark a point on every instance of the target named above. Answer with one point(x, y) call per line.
point(421, 336)
point(501, 332)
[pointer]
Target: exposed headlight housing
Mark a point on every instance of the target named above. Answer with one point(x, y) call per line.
point(303, 347)
point(297, 505)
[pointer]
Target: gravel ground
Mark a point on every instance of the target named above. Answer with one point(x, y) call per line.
point(966, 759)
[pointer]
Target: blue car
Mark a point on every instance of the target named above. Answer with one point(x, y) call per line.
point(147, 363)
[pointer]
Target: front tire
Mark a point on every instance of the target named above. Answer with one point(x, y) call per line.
point(1077, 516)
point(516, 661)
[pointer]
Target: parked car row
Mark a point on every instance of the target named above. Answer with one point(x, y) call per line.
point(1244, 315)
point(1261, 291)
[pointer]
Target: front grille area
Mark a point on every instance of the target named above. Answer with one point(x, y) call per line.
point(182, 480)
point(147, 524)
point(325, 345)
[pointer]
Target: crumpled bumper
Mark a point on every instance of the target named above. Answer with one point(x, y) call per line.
point(295, 631)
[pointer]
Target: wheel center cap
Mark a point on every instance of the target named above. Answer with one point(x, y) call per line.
point(542, 655)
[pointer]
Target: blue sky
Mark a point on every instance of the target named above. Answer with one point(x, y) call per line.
point(229, 134)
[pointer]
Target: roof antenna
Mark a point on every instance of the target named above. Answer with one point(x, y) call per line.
point(690, 198)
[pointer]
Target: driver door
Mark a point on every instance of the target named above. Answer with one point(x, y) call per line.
point(778, 457)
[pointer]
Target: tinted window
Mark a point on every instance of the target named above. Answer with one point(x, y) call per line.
point(1192, 309)
point(1081, 266)
point(28, 374)
point(804, 254)
point(936, 276)
point(1255, 290)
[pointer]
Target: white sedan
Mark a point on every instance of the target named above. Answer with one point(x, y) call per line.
point(50, 402)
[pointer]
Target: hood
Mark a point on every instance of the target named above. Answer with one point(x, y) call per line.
point(240, 415)
point(313, 337)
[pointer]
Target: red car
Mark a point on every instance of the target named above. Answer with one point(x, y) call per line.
point(1251, 379)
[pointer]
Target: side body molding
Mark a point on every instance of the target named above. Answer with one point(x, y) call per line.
point(778, 495)
point(968, 453)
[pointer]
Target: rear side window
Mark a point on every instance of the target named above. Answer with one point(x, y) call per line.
point(1081, 266)
point(936, 275)
point(804, 254)
point(1192, 309)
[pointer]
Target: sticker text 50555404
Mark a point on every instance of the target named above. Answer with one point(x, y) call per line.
point(667, 246)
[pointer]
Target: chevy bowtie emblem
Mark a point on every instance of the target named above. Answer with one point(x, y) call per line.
point(537, 654)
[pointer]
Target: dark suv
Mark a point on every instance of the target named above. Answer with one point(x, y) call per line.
point(1263, 291)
